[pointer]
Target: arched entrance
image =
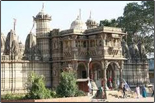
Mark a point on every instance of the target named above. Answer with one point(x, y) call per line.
point(96, 76)
point(81, 71)
point(96, 73)
point(82, 81)
point(112, 74)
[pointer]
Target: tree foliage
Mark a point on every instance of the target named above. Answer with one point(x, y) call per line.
point(36, 87)
point(112, 23)
point(139, 19)
point(67, 86)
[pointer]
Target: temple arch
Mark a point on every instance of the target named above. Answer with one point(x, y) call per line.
point(81, 71)
point(96, 73)
point(113, 74)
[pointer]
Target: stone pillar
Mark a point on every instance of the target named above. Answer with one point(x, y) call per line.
point(104, 67)
point(75, 65)
point(74, 49)
point(120, 70)
point(104, 77)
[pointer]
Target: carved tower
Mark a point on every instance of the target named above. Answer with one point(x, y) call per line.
point(42, 33)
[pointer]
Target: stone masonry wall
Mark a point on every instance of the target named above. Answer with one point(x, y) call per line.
point(14, 74)
point(136, 73)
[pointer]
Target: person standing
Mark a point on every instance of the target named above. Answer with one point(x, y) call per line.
point(127, 86)
point(138, 91)
point(90, 87)
point(110, 83)
point(101, 91)
point(118, 83)
point(124, 89)
point(144, 91)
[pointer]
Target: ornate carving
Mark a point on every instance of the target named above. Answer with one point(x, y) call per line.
point(55, 32)
point(106, 63)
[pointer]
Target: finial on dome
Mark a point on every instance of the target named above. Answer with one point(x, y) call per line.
point(90, 15)
point(42, 6)
point(14, 24)
point(80, 13)
point(78, 17)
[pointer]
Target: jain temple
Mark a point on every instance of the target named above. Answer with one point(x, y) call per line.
point(95, 52)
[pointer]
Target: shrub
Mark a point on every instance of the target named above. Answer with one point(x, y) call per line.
point(80, 93)
point(67, 86)
point(7, 96)
point(10, 96)
point(36, 87)
point(53, 94)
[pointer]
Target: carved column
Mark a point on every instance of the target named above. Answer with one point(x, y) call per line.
point(74, 50)
point(104, 67)
point(121, 71)
point(104, 77)
point(75, 65)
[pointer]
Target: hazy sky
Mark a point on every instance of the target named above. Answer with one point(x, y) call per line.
point(62, 12)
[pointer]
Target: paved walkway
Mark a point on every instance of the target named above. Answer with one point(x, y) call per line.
point(141, 99)
point(148, 99)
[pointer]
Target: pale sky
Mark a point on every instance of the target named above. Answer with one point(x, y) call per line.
point(62, 12)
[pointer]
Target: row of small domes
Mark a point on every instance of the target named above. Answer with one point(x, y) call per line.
point(79, 24)
point(76, 24)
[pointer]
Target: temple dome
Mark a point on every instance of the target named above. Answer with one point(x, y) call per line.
point(91, 23)
point(78, 24)
point(42, 15)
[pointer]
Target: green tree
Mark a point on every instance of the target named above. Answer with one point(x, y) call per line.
point(112, 23)
point(139, 19)
point(67, 86)
point(36, 87)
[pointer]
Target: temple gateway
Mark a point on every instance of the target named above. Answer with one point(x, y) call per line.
point(98, 54)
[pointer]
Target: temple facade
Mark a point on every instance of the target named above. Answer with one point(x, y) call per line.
point(50, 51)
